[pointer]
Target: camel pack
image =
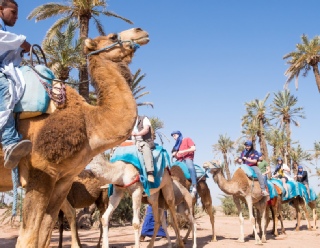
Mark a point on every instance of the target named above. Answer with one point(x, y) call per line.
point(35, 100)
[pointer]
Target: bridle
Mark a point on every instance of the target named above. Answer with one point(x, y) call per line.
point(133, 45)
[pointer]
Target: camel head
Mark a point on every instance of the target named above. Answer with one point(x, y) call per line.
point(213, 166)
point(117, 47)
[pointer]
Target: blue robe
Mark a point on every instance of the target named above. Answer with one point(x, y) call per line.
point(148, 225)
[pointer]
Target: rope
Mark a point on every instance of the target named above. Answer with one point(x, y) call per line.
point(16, 184)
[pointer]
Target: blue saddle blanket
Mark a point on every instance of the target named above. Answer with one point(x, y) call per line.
point(35, 98)
point(130, 154)
point(294, 189)
point(248, 170)
point(272, 191)
point(200, 172)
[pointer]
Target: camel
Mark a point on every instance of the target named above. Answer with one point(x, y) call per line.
point(85, 191)
point(242, 188)
point(125, 177)
point(65, 141)
point(204, 194)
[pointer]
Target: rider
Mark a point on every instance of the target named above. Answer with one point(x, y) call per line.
point(302, 177)
point(183, 151)
point(264, 167)
point(11, 85)
point(282, 171)
point(142, 136)
point(250, 156)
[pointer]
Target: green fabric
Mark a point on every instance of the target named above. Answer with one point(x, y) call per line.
point(263, 166)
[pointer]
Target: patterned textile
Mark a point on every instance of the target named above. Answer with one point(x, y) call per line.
point(130, 154)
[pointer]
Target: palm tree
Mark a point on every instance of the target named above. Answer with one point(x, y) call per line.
point(283, 110)
point(225, 146)
point(307, 55)
point(80, 11)
point(256, 114)
point(250, 129)
point(299, 155)
point(63, 52)
point(156, 125)
point(136, 88)
point(277, 139)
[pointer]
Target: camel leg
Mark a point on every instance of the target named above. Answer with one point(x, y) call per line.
point(298, 213)
point(241, 219)
point(170, 200)
point(165, 228)
point(136, 205)
point(114, 201)
point(70, 214)
point(313, 206)
point(306, 214)
point(40, 193)
point(252, 219)
point(153, 200)
point(207, 204)
point(263, 212)
point(60, 221)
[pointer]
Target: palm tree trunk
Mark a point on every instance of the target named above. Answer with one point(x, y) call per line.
point(316, 74)
point(263, 144)
point(83, 71)
point(226, 166)
point(288, 132)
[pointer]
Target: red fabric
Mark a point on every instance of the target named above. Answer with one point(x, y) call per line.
point(186, 144)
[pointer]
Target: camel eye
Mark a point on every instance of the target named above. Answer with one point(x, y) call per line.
point(114, 37)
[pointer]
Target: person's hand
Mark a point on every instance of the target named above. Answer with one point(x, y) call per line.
point(244, 158)
point(26, 46)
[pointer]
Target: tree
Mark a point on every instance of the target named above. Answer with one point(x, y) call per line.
point(63, 52)
point(283, 110)
point(136, 88)
point(80, 11)
point(299, 155)
point(225, 146)
point(256, 114)
point(158, 124)
point(306, 56)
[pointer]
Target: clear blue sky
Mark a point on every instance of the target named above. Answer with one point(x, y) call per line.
point(207, 58)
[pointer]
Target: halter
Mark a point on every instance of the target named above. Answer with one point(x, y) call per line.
point(133, 45)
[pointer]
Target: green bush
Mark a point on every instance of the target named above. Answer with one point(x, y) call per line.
point(229, 207)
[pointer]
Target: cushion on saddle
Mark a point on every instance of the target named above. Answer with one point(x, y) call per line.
point(295, 189)
point(200, 172)
point(249, 171)
point(35, 99)
point(272, 190)
point(130, 154)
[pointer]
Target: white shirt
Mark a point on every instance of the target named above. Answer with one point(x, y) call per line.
point(145, 122)
point(10, 59)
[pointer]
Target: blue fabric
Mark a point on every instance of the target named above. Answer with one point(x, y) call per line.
point(35, 97)
point(130, 154)
point(248, 143)
point(295, 189)
point(248, 170)
point(9, 134)
point(300, 172)
point(199, 170)
point(178, 141)
point(148, 225)
point(252, 154)
point(272, 191)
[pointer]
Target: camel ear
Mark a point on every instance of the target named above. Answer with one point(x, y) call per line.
point(90, 44)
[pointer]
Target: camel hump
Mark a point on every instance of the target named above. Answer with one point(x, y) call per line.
point(35, 100)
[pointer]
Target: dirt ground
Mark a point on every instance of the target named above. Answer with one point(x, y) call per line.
point(227, 231)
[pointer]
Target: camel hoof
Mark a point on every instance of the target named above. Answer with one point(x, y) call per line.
point(240, 240)
point(258, 242)
point(214, 239)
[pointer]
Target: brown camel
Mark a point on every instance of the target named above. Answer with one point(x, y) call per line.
point(204, 194)
point(124, 178)
point(242, 188)
point(64, 142)
point(85, 191)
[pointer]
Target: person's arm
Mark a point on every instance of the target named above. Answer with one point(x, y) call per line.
point(10, 41)
point(144, 131)
point(250, 160)
point(191, 149)
point(268, 169)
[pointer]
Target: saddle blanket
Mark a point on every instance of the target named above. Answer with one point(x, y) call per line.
point(294, 189)
point(130, 154)
point(35, 99)
point(200, 172)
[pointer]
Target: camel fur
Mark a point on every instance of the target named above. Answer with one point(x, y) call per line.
point(121, 173)
point(242, 189)
point(65, 141)
point(203, 192)
point(84, 192)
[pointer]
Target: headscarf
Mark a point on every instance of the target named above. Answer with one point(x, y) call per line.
point(178, 141)
point(300, 172)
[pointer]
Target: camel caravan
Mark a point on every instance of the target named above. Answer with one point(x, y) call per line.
point(75, 134)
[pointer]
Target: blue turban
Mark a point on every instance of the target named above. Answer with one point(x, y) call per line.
point(178, 141)
point(300, 172)
point(248, 143)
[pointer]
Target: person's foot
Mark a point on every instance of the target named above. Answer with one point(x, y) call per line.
point(142, 238)
point(15, 152)
point(151, 178)
point(264, 193)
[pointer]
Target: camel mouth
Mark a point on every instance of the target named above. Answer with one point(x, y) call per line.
point(142, 40)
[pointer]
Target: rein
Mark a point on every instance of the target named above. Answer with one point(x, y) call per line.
point(137, 179)
point(133, 44)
